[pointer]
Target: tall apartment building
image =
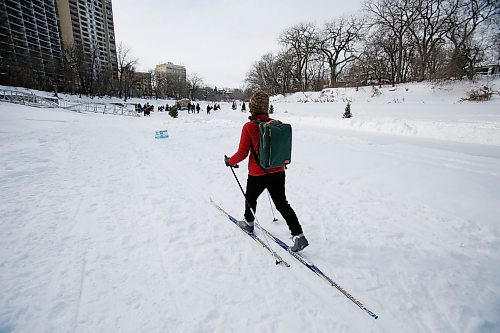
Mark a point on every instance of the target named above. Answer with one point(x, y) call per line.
point(35, 36)
point(30, 44)
point(89, 24)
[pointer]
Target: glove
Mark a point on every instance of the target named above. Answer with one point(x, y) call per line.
point(226, 161)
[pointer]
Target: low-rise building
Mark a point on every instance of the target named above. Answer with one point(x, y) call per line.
point(142, 86)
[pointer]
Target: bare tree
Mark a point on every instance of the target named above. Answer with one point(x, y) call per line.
point(396, 41)
point(470, 15)
point(284, 69)
point(378, 61)
point(263, 74)
point(393, 17)
point(337, 43)
point(105, 83)
point(126, 71)
point(147, 86)
point(272, 73)
point(160, 84)
point(382, 55)
point(194, 83)
point(176, 86)
point(428, 32)
point(318, 73)
point(70, 73)
point(82, 65)
point(301, 43)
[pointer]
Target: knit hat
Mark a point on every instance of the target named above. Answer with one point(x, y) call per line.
point(259, 103)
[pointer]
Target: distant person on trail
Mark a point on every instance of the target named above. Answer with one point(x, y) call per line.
point(198, 108)
point(243, 107)
point(259, 178)
point(147, 109)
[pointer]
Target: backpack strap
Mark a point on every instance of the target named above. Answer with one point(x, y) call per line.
point(252, 149)
point(256, 158)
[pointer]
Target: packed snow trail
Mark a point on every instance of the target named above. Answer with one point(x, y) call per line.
point(107, 229)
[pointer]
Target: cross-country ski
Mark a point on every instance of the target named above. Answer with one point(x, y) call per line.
point(279, 260)
point(299, 258)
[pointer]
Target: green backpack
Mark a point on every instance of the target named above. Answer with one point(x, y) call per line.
point(275, 144)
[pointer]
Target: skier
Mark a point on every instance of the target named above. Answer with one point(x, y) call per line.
point(198, 108)
point(243, 107)
point(259, 179)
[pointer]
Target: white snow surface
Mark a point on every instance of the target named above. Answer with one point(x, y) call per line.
point(107, 229)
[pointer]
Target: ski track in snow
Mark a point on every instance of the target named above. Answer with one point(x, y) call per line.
point(107, 229)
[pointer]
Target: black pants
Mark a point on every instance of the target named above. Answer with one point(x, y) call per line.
point(275, 184)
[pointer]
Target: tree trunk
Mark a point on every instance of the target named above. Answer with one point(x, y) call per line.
point(333, 77)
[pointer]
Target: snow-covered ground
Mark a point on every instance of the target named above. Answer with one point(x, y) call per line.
point(107, 229)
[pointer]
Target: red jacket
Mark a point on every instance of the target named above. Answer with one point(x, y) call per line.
point(250, 135)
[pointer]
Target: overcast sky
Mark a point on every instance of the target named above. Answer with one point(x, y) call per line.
point(217, 39)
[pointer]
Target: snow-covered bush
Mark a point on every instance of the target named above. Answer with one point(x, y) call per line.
point(376, 91)
point(478, 95)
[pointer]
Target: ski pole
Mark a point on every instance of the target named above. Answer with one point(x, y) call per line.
point(268, 195)
point(279, 260)
point(270, 204)
point(243, 192)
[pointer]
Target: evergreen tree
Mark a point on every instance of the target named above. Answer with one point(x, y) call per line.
point(173, 112)
point(347, 113)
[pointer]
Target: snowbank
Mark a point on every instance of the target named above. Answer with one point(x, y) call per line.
point(448, 92)
point(411, 110)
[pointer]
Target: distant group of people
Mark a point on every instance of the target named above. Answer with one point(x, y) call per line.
point(192, 108)
point(243, 106)
point(215, 107)
point(166, 108)
point(147, 109)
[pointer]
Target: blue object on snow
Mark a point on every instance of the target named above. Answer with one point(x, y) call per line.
point(161, 134)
